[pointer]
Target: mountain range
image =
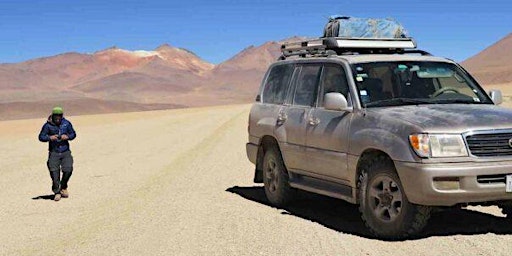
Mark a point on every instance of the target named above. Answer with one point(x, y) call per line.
point(493, 65)
point(118, 80)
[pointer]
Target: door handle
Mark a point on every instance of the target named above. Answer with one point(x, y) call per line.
point(314, 121)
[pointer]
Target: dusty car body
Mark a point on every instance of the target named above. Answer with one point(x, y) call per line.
point(372, 142)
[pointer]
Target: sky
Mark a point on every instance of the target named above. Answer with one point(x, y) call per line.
point(217, 30)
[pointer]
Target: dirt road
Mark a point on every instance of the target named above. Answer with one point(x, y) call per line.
point(178, 183)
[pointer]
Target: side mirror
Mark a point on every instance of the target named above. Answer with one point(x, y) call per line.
point(496, 97)
point(336, 101)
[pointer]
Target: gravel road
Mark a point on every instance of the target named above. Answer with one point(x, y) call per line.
point(177, 182)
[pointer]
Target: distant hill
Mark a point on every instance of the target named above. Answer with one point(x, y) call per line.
point(494, 64)
point(116, 80)
point(239, 77)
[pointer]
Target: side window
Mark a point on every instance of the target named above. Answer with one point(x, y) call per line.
point(334, 79)
point(276, 85)
point(307, 85)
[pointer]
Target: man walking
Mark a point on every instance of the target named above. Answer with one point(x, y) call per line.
point(58, 132)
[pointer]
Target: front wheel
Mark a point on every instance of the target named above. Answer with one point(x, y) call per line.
point(383, 204)
point(275, 179)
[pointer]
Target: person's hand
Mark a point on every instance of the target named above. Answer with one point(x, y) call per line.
point(54, 138)
point(64, 137)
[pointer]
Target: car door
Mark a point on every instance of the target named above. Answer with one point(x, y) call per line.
point(292, 119)
point(263, 119)
point(327, 130)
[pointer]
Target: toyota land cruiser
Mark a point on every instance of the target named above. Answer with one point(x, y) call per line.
point(383, 125)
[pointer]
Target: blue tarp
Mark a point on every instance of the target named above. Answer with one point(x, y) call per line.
point(369, 27)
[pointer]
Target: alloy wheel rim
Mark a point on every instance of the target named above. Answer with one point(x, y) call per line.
point(386, 199)
point(272, 176)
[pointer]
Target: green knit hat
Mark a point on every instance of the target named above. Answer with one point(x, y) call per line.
point(57, 111)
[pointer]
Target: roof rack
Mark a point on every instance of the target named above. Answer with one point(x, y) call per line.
point(346, 46)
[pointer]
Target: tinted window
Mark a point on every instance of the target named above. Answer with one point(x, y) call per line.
point(334, 80)
point(307, 86)
point(276, 85)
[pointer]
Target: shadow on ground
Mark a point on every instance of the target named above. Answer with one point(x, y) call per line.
point(344, 217)
point(44, 197)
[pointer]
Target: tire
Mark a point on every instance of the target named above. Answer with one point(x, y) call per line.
point(383, 204)
point(275, 179)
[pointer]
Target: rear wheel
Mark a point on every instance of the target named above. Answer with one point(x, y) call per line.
point(383, 204)
point(275, 179)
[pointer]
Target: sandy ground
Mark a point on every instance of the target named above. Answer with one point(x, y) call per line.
point(178, 182)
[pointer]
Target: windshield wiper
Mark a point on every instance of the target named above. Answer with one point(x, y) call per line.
point(397, 102)
point(455, 101)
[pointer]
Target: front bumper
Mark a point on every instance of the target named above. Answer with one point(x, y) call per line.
point(421, 182)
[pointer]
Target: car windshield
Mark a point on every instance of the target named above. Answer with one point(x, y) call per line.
point(382, 84)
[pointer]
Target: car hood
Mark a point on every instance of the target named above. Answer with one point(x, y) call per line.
point(451, 118)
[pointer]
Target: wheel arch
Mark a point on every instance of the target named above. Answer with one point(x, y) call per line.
point(365, 158)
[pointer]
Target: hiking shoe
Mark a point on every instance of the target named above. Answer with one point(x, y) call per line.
point(64, 193)
point(56, 197)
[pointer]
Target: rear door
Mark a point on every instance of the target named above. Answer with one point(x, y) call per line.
point(292, 119)
point(274, 94)
point(327, 130)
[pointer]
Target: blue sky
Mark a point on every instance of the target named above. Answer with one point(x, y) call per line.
point(217, 30)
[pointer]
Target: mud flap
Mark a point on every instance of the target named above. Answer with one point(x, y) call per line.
point(258, 171)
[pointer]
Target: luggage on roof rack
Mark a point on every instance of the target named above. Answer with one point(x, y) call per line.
point(349, 35)
point(343, 26)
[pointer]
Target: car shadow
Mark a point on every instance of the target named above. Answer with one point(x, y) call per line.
point(344, 217)
point(44, 197)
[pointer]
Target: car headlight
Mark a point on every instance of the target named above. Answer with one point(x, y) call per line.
point(438, 145)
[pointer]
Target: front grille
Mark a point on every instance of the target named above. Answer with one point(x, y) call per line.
point(493, 144)
point(491, 179)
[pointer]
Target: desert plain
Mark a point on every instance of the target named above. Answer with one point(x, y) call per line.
point(178, 182)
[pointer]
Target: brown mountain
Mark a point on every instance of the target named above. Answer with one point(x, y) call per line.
point(110, 74)
point(183, 59)
point(115, 79)
point(252, 58)
point(494, 64)
point(240, 76)
point(148, 76)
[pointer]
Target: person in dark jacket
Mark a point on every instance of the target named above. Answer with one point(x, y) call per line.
point(58, 132)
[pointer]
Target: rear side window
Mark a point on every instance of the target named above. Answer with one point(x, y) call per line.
point(276, 85)
point(307, 85)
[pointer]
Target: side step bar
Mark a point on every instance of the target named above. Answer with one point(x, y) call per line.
point(326, 188)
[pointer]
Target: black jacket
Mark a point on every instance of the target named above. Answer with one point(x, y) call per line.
point(49, 129)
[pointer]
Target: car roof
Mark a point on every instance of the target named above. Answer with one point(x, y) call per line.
point(365, 58)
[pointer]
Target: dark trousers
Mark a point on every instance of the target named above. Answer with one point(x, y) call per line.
point(58, 162)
